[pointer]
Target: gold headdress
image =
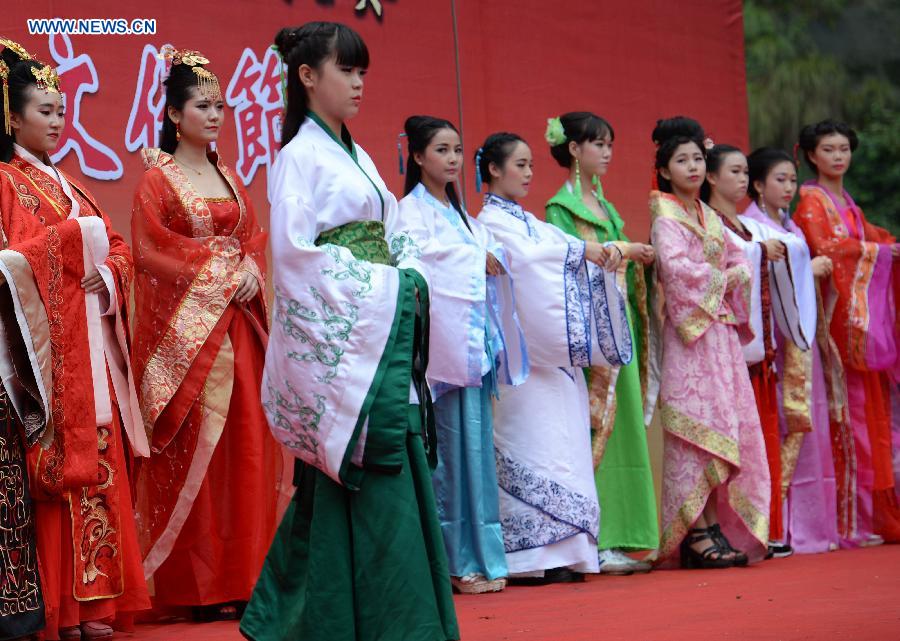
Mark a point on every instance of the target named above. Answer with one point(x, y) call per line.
point(46, 78)
point(19, 50)
point(16, 47)
point(207, 81)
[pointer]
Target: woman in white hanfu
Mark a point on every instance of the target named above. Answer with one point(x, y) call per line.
point(780, 277)
point(573, 315)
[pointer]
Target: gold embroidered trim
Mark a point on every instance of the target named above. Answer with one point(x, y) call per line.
point(757, 522)
point(696, 433)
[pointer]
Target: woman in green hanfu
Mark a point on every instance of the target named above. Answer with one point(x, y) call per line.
point(581, 142)
point(359, 555)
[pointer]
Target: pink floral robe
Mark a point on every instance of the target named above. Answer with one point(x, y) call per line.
point(712, 434)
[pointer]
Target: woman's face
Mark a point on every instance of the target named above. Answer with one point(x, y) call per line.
point(686, 169)
point(513, 179)
point(41, 122)
point(780, 186)
point(442, 159)
point(730, 181)
point(334, 91)
point(200, 119)
point(832, 155)
point(594, 156)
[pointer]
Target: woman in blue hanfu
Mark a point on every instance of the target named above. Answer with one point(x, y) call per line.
point(475, 343)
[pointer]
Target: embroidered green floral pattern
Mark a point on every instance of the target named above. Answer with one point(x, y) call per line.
point(292, 315)
point(403, 247)
point(355, 269)
point(296, 416)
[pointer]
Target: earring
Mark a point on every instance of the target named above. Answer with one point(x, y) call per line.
point(178, 131)
point(578, 179)
point(762, 205)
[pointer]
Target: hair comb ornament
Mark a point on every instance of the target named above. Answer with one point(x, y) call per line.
point(207, 81)
point(555, 134)
point(708, 143)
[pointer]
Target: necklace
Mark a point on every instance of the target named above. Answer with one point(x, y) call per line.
point(184, 164)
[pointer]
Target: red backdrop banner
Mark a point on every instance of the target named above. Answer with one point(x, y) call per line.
point(488, 66)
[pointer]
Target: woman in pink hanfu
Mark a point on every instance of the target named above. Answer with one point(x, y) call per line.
point(715, 476)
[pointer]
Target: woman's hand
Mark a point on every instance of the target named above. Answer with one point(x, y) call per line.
point(606, 256)
point(596, 253)
point(93, 283)
point(821, 266)
point(493, 267)
point(640, 253)
point(775, 249)
point(248, 288)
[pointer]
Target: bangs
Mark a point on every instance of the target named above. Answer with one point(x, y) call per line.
point(596, 128)
point(348, 48)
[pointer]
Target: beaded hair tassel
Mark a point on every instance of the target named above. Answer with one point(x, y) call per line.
point(4, 75)
point(20, 51)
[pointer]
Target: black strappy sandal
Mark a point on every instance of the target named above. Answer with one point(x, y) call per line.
point(710, 558)
point(738, 558)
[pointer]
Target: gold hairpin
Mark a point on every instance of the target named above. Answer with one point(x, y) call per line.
point(16, 47)
point(46, 78)
point(183, 56)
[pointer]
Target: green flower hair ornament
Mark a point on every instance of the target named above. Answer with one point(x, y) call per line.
point(555, 135)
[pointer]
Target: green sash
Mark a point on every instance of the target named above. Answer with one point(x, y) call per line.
point(364, 239)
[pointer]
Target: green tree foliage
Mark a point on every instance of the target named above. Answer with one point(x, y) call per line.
point(808, 60)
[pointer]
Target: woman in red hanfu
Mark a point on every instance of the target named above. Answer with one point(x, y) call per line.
point(68, 276)
point(207, 497)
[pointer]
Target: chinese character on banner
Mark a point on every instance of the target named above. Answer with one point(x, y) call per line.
point(78, 76)
point(145, 119)
point(254, 93)
point(376, 5)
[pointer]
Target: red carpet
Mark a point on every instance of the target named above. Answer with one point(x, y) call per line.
point(847, 595)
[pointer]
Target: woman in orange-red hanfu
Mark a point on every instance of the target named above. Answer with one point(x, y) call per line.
point(207, 496)
point(866, 282)
point(69, 274)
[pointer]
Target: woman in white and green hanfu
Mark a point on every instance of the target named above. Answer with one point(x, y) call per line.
point(359, 555)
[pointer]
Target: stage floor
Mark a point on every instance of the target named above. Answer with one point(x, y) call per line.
point(851, 595)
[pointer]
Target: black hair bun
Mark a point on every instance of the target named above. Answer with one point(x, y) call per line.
point(10, 57)
point(414, 123)
point(285, 40)
point(677, 127)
